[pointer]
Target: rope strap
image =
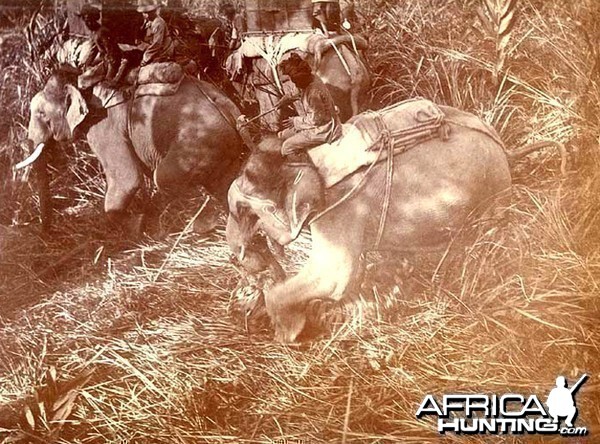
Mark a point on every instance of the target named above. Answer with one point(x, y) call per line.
point(387, 142)
point(342, 59)
point(393, 143)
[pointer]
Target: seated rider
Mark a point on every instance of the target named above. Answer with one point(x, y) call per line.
point(159, 46)
point(317, 123)
point(104, 47)
point(233, 24)
point(326, 14)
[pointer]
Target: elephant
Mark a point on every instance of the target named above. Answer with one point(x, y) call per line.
point(182, 140)
point(424, 197)
point(341, 67)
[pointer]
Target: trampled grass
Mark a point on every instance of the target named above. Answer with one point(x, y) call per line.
point(161, 324)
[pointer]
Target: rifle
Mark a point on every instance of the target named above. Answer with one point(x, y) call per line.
point(578, 384)
point(275, 108)
point(269, 111)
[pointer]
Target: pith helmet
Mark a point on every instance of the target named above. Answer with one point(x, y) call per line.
point(147, 5)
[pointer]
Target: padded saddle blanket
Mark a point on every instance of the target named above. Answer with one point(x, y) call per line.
point(155, 79)
point(163, 72)
point(366, 137)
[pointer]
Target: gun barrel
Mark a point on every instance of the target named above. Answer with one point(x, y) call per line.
point(581, 380)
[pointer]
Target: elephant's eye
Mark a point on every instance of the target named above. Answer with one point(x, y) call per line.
point(43, 117)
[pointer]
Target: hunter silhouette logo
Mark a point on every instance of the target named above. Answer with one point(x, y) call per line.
point(507, 414)
point(561, 400)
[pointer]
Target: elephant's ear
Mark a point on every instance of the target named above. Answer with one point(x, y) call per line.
point(304, 199)
point(240, 209)
point(77, 108)
point(234, 199)
point(298, 212)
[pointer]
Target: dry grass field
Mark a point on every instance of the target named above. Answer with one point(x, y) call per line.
point(145, 342)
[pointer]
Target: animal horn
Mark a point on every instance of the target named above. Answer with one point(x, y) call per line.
point(37, 152)
point(242, 253)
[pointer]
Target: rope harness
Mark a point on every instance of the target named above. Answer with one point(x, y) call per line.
point(393, 143)
point(387, 143)
point(342, 59)
point(229, 119)
point(353, 40)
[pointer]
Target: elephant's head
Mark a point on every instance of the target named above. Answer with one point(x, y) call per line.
point(258, 188)
point(55, 113)
point(269, 196)
point(248, 246)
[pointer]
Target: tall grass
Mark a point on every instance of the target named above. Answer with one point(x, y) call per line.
point(176, 359)
point(526, 81)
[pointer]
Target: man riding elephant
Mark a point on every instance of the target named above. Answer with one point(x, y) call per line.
point(317, 123)
point(160, 46)
point(183, 141)
point(104, 47)
point(232, 23)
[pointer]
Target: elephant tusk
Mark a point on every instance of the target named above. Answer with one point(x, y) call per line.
point(32, 158)
point(242, 253)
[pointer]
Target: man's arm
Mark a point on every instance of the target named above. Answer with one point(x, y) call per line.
point(318, 112)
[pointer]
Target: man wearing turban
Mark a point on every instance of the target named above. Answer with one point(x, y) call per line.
point(318, 121)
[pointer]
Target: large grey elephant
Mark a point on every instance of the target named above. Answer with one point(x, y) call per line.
point(423, 198)
point(181, 140)
point(338, 62)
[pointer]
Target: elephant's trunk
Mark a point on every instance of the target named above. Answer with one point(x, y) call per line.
point(239, 234)
point(43, 187)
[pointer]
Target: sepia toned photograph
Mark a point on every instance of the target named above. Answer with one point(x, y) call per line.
point(299, 221)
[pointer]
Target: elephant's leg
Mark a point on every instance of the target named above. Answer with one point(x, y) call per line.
point(121, 187)
point(122, 169)
point(329, 274)
point(40, 171)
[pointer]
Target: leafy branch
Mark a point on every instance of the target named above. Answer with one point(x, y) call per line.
point(498, 18)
